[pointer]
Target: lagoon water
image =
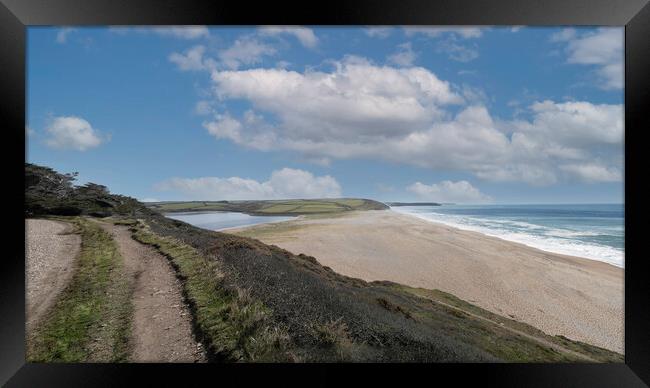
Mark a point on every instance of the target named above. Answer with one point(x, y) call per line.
point(223, 220)
point(591, 231)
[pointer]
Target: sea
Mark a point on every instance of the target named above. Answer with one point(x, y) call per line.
point(595, 231)
point(223, 220)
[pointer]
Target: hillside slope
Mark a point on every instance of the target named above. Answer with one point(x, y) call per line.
point(376, 321)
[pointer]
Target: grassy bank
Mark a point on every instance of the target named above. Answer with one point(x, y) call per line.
point(276, 207)
point(234, 326)
point(91, 319)
point(506, 338)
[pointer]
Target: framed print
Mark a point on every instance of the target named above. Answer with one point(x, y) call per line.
point(363, 189)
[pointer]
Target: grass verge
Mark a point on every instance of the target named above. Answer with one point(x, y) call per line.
point(234, 326)
point(91, 319)
point(563, 349)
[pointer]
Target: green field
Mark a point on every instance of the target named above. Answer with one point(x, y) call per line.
point(276, 207)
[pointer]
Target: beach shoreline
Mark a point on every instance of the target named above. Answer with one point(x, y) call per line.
point(578, 298)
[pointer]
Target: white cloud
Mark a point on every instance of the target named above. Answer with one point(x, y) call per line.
point(149, 200)
point(474, 95)
point(450, 40)
point(564, 35)
point(245, 51)
point(378, 32)
point(402, 115)
point(251, 131)
point(356, 100)
point(181, 32)
point(576, 124)
point(62, 34)
point(225, 127)
point(432, 32)
point(305, 35)
point(283, 184)
point(458, 52)
point(405, 56)
point(602, 48)
point(448, 191)
point(72, 133)
point(191, 59)
point(593, 172)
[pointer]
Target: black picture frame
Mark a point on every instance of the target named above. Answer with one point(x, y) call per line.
point(16, 15)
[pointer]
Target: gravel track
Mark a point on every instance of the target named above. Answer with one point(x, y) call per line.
point(50, 252)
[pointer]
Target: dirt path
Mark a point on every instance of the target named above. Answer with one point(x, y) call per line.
point(50, 252)
point(162, 328)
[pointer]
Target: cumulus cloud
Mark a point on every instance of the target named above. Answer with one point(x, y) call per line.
point(576, 124)
point(404, 115)
point(305, 35)
point(564, 35)
point(251, 130)
point(433, 32)
point(180, 32)
point(451, 40)
point(191, 59)
point(378, 32)
point(354, 101)
point(602, 49)
point(183, 32)
point(286, 183)
point(593, 172)
point(225, 127)
point(245, 51)
point(448, 191)
point(405, 56)
point(62, 34)
point(70, 132)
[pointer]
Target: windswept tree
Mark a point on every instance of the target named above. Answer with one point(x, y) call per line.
point(50, 192)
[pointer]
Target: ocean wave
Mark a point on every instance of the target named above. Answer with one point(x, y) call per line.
point(554, 240)
point(571, 233)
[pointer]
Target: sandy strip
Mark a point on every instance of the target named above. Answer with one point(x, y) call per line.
point(578, 298)
point(50, 252)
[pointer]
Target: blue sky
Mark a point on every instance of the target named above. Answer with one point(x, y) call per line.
point(453, 114)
